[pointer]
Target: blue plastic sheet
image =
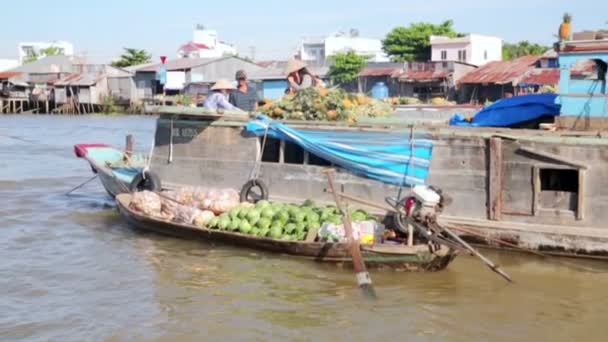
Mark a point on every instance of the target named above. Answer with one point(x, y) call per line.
point(387, 157)
point(511, 111)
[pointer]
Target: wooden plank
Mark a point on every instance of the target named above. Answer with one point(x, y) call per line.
point(536, 192)
point(555, 157)
point(496, 179)
point(580, 207)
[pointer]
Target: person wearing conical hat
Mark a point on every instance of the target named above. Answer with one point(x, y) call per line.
point(299, 77)
point(218, 98)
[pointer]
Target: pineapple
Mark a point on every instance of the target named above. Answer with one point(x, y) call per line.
point(565, 29)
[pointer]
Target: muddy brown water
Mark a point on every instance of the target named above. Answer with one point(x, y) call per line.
point(72, 270)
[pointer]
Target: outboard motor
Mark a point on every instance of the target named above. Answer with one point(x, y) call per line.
point(425, 204)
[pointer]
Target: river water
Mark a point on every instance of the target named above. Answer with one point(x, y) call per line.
point(72, 270)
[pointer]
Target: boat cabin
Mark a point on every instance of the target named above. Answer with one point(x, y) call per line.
point(583, 91)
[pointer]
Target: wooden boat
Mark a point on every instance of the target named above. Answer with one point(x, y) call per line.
point(109, 164)
point(397, 257)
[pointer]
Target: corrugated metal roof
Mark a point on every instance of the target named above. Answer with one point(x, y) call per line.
point(180, 64)
point(417, 76)
point(501, 72)
point(380, 71)
point(86, 79)
point(9, 74)
point(541, 76)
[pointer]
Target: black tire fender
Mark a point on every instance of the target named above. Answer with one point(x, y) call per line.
point(145, 180)
point(254, 183)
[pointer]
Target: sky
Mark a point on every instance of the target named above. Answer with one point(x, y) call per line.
point(100, 29)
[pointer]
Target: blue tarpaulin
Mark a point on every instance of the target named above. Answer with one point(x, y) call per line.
point(511, 111)
point(384, 156)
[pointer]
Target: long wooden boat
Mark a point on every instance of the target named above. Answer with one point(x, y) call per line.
point(397, 257)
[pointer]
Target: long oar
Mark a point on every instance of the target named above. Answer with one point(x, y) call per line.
point(527, 250)
point(81, 185)
point(363, 279)
point(485, 260)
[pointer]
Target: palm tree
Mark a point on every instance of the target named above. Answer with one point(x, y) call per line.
point(132, 57)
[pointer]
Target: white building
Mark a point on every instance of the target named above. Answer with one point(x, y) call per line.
point(29, 49)
point(318, 49)
point(205, 44)
point(473, 49)
point(7, 64)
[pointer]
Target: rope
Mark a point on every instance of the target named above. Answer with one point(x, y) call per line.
point(258, 160)
point(409, 164)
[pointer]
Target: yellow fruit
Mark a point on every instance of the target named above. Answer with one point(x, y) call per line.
point(322, 92)
point(332, 115)
point(362, 99)
point(278, 112)
point(347, 104)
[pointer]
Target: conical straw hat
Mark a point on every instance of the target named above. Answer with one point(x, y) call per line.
point(222, 84)
point(294, 65)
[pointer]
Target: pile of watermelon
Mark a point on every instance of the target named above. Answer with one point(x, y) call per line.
point(281, 221)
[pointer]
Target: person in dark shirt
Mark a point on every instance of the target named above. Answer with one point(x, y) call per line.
point(244, 97)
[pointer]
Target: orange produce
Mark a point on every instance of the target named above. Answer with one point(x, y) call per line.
point(565, 29)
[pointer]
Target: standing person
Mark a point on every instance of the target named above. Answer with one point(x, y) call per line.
point(245, 97)
point(299, 77)
point(218, 99)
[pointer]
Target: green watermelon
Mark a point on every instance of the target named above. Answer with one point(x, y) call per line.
point(301, 227)
point(276, 232)
point(234, 213)
point(262, 204)
point(253, 216)
point(268, 213)
point(312, 217)
point(358, 216)
point(234, 224)
point(264, 223)
point(300, 216)
point(212, 224)
point(282, 216)
point(290, 228)
point(264, 231)
point(245, 227)
point(223, 223)
point(243, 213)
point(301, 236)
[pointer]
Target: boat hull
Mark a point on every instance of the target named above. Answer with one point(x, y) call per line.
point(404, 258)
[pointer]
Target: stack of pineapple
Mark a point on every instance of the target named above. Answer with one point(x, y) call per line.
point(321, 104)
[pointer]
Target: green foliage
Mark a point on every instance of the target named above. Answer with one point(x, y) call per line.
point(523, 48)
point(413, 43)
point(346, 67)
point(183, 100)
point(132, 57)
point(109, 105)
point(49, 51)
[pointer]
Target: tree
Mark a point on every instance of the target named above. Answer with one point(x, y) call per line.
point(132, 57)
point(523, 48)
point(49, 51)
point(346, 67)
point(413, 42)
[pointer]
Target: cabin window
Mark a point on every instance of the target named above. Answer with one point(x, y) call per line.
point(558, 180)
point(318, 161)
point(485, 54)
point(444, 55)
point(277, 151)
point(558, 191)
point(272, 150)
point(294, 154)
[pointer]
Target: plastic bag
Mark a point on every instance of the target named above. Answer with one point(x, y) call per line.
point(147, 203)
point(202, 218)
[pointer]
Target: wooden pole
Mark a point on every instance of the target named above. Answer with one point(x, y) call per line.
point(363, 279)
point(496, 179)
point(129, 145)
